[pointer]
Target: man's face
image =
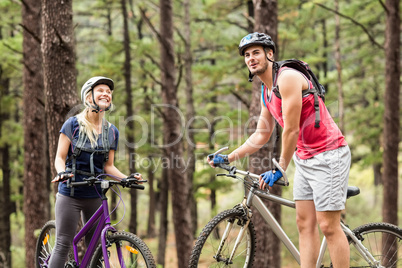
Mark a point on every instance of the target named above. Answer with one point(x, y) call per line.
point(255, 59)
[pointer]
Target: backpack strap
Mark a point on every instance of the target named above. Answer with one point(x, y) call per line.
point(305, 70)
point(79, 147)
point(82, 138)
point(105, 139)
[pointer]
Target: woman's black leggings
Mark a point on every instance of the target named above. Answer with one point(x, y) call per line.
point(68, 211)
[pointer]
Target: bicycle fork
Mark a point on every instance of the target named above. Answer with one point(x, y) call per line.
point(228, 229)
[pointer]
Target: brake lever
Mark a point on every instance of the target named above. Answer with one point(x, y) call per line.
point(226, 175)
point(91, 180)
point(218, 152)
point(285, 177)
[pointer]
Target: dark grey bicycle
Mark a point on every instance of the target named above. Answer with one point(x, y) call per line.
point(229, 239)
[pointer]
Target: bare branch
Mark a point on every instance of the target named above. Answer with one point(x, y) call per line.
point(241, 99)
point(153, 60)
point(235, 23)
point(211, 21)
point(353, 21)
point(158, 109)
point(37, 38)
point(147, 21)
point(181, 35)
point(152, 77)
point(180, 72)
point(12, 49)
point(384, 6)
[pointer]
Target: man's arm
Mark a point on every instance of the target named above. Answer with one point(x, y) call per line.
point(263, 132)
point(291, 84)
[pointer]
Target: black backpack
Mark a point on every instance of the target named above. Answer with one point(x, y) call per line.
point(318, 90)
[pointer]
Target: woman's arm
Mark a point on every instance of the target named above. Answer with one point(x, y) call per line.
point(62, 152)
point(111, 169)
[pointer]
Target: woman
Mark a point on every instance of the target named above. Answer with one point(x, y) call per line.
point(86, 148)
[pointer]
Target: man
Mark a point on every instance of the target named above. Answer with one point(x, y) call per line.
point(322, 157)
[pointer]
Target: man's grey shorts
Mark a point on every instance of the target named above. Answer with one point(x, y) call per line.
point(323, 178)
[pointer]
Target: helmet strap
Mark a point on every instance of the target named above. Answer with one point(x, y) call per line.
point(96, 107)
point(250, 76)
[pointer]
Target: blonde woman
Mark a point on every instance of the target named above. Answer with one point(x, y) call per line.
point(86, 148)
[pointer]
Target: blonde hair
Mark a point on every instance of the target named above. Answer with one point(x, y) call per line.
point(87, 127)
point(85, 124)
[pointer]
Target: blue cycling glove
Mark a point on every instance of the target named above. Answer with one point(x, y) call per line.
point(219, 159)
point(270, 177)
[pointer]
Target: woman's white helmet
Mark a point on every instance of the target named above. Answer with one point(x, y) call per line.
point(90, 84)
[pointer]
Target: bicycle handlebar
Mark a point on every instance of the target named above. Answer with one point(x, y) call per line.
point(233, 170)
point(105, 184)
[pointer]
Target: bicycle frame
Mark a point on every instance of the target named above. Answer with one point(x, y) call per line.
point(254, 199)
point(104, 225)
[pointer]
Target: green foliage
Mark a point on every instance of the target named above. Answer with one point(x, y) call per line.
point(217, 72)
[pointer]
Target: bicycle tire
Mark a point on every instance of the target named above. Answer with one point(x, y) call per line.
point(383, 241)
point(135, 252)
point(204, 250)
point(45, 244)
point(373, 236)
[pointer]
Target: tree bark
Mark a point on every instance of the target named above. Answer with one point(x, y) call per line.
point(5, 197)
point(190, 113)
point(130, 112)
point(173, 138)
point(152, 205)
point(36, 206)
point(58, 54)
point(163, 226)
point(339, 68)
point(391, 113)
point(391, 119)
point(268, 251)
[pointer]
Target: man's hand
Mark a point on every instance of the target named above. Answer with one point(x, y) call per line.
point(269, 177)
point(63, 176)
point(216, 160)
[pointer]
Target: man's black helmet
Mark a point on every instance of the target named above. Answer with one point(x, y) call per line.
point(256, 39)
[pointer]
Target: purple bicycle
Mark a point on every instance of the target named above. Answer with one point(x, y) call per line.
point(108, 246)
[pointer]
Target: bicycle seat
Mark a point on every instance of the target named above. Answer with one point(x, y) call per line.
point(352, 191)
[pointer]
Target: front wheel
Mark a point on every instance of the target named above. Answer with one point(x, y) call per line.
point(383, 241)
point(227, 224)
point(124, 250)
point(45, 244)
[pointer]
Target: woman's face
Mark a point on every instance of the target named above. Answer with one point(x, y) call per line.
point(102, 96)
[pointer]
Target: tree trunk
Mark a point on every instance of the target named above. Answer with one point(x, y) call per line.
point(130, 112)
point(58, 67)
point(190, 113)
point(36, 206)
point(163, 228)
point(339, 68)
point(268, 251)
point(391, 119)
point(152, 204)
point(172, 138)
point(391, 113)
point(5, 198)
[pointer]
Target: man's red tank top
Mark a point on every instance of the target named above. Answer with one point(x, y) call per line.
point(312, 140)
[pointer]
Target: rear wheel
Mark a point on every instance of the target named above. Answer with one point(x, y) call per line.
point(231, 221)
point(383, 241)
point(124, 248)
point(45, 244)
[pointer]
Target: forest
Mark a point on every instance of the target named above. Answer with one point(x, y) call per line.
point(181, 93)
